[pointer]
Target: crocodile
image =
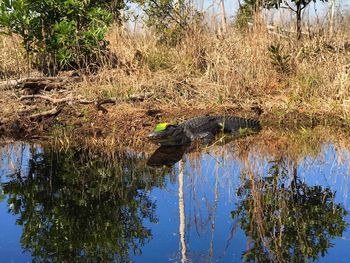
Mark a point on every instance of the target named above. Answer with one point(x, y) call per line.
point(203, 128)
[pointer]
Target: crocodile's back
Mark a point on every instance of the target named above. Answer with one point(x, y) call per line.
point(202, 124)
point(233, 124)
point(215, 124)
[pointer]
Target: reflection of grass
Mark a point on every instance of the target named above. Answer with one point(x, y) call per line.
point(2, 194)
point(285, 219)
point(305, 142)
point(295, 144)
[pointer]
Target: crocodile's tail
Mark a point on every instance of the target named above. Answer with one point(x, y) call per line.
point(236, 124)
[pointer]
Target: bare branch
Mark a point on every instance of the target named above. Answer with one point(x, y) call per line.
point(38, 84)
point(52, 100)
point(50, 113)
point(69, 100)
point(291, 8)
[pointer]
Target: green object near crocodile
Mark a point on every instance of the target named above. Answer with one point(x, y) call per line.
point(203, 128)
point(161, 127)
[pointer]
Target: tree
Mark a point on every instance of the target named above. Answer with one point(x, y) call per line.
point(297, 6)
point(170, 19)
point(59, 35)
point(245, 14)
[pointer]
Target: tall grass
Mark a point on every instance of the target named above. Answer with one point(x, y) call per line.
point(12, 58)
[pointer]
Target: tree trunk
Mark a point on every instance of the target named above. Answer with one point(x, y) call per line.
point(299, 22)
point(223, 17)
point(331, 17)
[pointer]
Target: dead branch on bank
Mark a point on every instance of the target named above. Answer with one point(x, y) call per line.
point(43, 97)
point(36, 85)
point(39, 85)
point(70, 100)
point(49, 113)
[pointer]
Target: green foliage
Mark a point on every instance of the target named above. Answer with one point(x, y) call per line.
point(158, 60)
point(76, 206)
point(278, 59)
point(302, 3)
point(297, 6)
point(245, 131)
point(168, 21)
point(59, 35)
point(2, 195)
point(244, 15)
point(287, 220)
point(309, 83)
point(163, 18)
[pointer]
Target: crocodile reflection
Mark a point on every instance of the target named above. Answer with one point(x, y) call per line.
point(287, 220)
point(167, 155)
point(170, 155)
point(78, 208)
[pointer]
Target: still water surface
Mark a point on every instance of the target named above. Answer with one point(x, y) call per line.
point(217, 206)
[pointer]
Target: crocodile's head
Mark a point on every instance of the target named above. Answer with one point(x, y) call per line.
point(167, 134)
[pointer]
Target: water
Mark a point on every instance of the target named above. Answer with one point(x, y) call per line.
point(228, 204)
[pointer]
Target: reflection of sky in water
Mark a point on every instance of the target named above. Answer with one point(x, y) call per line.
point(211, 234)
point(10, 247)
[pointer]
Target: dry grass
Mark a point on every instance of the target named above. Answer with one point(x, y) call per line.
point(12, 60)
point(206, 68)
point(206, 72)
point(237, 68)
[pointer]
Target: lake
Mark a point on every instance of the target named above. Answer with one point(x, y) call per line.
point(242, 201)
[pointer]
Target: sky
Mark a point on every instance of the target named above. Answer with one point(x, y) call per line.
point(315, 13)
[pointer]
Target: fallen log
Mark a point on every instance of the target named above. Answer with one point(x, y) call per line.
point(43, 97)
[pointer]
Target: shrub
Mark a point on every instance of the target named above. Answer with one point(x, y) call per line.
point(244, 15)
point(59, 35)
point(278, 59)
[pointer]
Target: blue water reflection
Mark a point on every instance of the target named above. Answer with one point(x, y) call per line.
point(193, 202)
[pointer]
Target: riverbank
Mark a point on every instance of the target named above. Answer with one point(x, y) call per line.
point(127, 124)
point(295, 85)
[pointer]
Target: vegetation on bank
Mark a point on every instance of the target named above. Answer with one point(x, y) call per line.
point(181, 63)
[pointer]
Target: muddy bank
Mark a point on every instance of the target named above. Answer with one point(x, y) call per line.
point(61, 111)
point(128, 123)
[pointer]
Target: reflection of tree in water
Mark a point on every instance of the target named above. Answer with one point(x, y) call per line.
point(285, 220)
point(79, 209)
